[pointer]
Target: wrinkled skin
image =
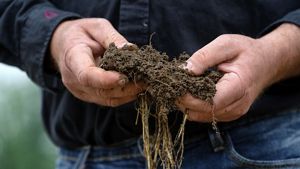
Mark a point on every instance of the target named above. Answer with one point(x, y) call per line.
point(250, 65)
point(75, 47)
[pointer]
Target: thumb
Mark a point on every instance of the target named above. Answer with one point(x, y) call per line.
point(219, 50)
point(104, 33)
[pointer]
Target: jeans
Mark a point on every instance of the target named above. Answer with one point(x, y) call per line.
point(272, 142)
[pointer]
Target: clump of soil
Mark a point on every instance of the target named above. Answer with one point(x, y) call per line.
point(166, 81)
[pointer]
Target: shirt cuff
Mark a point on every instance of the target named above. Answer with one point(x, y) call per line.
point(292, 17)
point(36, 34)
point(292, 84)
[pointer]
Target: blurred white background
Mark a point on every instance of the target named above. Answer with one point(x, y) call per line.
point(23, 142)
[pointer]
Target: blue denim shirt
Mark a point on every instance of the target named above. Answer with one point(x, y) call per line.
point(26, 27)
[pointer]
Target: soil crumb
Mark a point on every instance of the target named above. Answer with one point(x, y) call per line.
point(166, 81)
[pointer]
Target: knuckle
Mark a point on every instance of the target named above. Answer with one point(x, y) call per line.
point(195, 116)
point(68, 52)
point(83, 78)
point(103, 24)
point(229, 37)
point(69, 83)
point(112, 102)
point(225, 39)
point(202, 56)
point(79, 94)
point(71, 50)
point(113, 36)
point(103, 21)
point(199, 61)
point(84, 97)
point(65, 81)
point(99, 92)
point(234, 40)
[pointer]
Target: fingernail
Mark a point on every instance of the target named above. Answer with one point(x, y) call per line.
point(123, 80)
point(128, 46)
point(189, 65)
point(124, 44)
point(121, 44)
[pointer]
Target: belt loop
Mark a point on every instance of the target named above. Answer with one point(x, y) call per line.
point(82, 158)
point(216, 140)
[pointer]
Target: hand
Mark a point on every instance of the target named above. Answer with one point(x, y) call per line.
point(75, 47)
point(250, 65)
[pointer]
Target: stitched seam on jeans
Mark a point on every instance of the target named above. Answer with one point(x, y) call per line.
point(245, 162)
point(247, 121)
point(250, 163)
point(113, 158)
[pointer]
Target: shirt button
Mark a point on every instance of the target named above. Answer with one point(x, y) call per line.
point(145, 24)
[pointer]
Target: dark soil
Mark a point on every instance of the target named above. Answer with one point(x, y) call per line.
point(166, 81)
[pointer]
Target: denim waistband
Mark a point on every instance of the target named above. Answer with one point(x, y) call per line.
point(127, 150)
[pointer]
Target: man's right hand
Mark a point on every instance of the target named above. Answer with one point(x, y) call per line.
point(75, 47)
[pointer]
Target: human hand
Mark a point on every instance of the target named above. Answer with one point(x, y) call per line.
point(249, 66)
point(76, 47)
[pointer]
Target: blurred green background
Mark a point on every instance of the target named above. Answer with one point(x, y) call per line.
point(23, 142)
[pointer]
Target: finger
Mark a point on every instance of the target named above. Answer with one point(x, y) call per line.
point(233, 111)
point(97, 49)
point(79, 93)
point(85, 94)
point(80, 61)
point(200, 116)
point(129, 89)
point(114, 102)
point(104, 33)
point(85, 39)
point(220, 50)
point(194, 114)
point(180, 106)
point(229, 90)
point(192, 103)
point(228, 116)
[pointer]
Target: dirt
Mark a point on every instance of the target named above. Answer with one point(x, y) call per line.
point(166, 81)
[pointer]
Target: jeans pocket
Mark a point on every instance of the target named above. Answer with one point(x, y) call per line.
point(266, 158)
